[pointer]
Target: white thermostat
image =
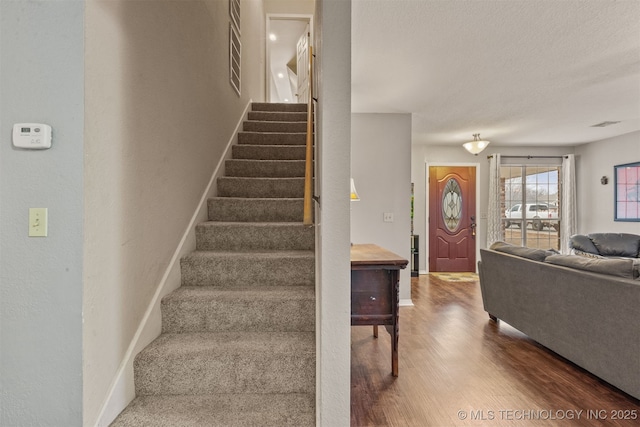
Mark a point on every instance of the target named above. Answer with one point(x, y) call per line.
point(33, 136)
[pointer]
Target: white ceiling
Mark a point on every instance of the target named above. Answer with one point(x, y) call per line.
point(528, 72)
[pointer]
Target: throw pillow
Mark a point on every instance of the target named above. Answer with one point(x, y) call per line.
point(581, 243)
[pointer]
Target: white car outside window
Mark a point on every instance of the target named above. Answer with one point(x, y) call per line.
point(541, 215)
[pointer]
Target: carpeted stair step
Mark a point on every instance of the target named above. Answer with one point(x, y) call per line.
point(265, 168)
point(268, 152)
point(278, 116)
point(220, 410)
point(253, 236)
point(288, 107)
point(272, 138)
point(238, 209)
point(281, 268)
point(259, 309)
point(293, 127)
point(260, 187)
point(227, 362)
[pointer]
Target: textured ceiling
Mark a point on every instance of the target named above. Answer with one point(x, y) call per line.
point(529, 72)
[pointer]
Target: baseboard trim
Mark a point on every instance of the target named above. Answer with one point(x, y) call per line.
point(405, 302)
point(122, 390)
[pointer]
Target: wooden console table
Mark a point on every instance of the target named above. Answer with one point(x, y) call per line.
point(375, 281)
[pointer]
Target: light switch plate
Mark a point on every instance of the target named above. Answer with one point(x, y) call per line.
point(387, 216)
point(38, 222)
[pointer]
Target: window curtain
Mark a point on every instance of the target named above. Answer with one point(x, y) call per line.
point(494, 225)
point(569, 219)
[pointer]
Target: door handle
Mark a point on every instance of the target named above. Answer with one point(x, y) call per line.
point(473, 226)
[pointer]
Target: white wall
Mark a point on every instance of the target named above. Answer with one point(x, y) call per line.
point(381, 169)
point(41, 80)
point(595, 200)
point(422, 156)
point(159, 113)
point(298, 7)
point(333, 271)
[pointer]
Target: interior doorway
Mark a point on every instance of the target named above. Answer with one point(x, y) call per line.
point(283, 72)
point(452, 219)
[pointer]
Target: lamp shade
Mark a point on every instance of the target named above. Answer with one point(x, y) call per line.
point(354, 193)
point(477, 145)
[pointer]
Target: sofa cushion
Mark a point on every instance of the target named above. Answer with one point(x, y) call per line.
point(521, 251)
point(626, 268)
point(616, 244)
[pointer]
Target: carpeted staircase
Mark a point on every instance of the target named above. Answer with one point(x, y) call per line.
point(238, 344)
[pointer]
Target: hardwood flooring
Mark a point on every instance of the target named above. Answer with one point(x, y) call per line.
point(458, 368)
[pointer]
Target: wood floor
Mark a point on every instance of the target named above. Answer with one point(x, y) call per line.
point(458, 368)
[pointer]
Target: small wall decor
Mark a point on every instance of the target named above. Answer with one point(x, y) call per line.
point(235, 58)
point(627, 192)
point(235, 45)
point(234, 12)
point(604, 180)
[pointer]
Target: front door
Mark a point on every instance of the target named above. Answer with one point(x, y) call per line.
point(452, 219)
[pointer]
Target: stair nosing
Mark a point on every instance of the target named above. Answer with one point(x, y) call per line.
point(271, 253)
point(267, 160)
point(264, 224)
point(256, 198)
point(261, 177)
point(298, 292)
point(217, 342)
point(276, 121)
point(256, 132)
point(270, 145)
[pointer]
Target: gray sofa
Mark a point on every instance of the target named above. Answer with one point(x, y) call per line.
point(599, 245)
point(578, 310)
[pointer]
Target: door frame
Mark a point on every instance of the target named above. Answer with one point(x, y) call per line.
point(480, 215)
point(280, 16)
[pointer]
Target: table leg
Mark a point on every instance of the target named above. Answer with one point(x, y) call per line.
point(394, 332)
point(394, 351)
point(375, 331)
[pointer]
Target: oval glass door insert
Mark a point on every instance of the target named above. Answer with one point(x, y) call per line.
point(452, 204)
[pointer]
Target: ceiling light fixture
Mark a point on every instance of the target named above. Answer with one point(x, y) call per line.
point(273, 37)
point(477, 145)
point(280, 75)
